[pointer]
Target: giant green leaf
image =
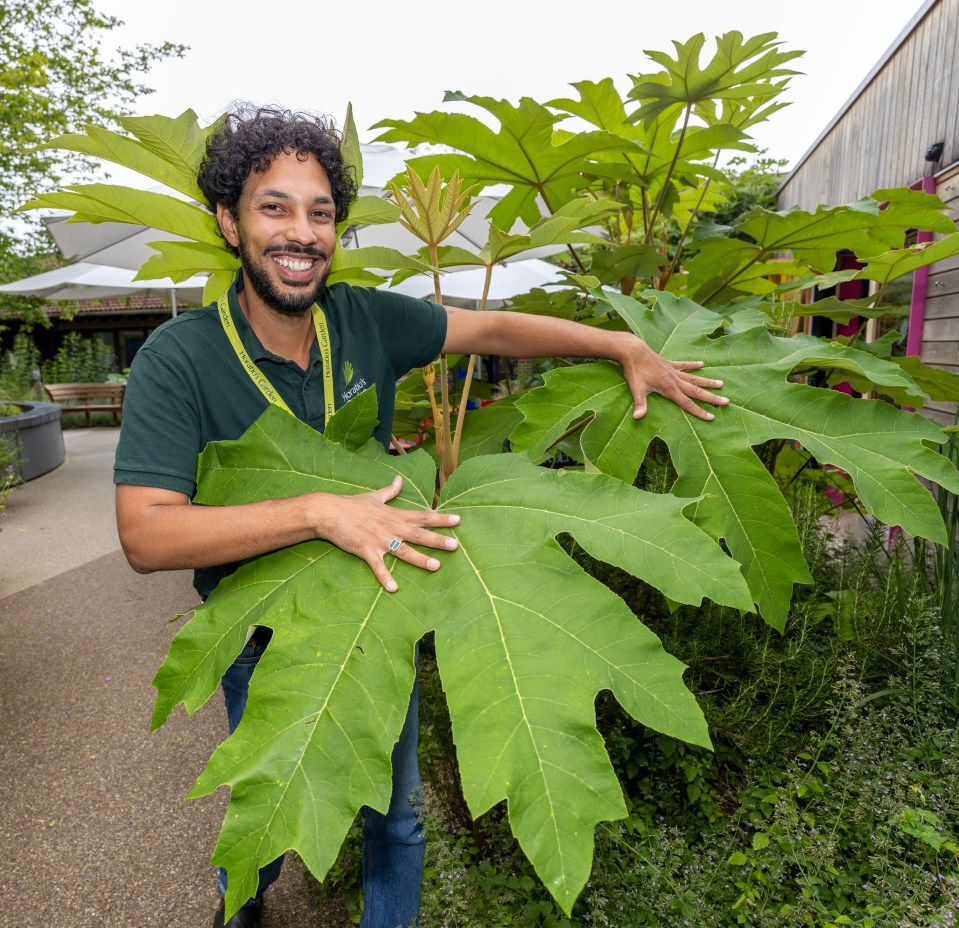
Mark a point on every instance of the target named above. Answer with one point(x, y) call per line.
point(892, 264)
point(166, 150)
point(525, 641)
point(939, 385)
point(113, 203)
point(180, 143)
point(523, 154)
point(181, 260)
point(881, 448)
point(170, 150)
point(738, 71)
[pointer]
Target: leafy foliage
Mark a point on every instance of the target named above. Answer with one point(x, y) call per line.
point(523, 154)
point(522, 734)
point(55, 77)
point(881, 448)
point(19, 259)
point(830, 795)
point(17, 367)
point(169, 150)
point(79, 360)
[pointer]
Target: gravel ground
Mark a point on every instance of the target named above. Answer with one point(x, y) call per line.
point(94, 831)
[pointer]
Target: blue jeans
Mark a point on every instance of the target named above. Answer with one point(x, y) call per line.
point(393, 844)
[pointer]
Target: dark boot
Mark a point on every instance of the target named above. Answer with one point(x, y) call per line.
point(247, 917)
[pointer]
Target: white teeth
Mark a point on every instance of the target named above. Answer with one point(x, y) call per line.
point(294, 264)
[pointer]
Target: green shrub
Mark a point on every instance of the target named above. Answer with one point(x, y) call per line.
point(79, 360)
point(9, 468)
point(16, 369)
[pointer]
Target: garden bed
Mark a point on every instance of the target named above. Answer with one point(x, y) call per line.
point(37, 436)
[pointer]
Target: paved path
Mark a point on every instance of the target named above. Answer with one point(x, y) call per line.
point(94, 832)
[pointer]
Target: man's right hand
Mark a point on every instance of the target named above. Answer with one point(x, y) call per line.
point(364, 525)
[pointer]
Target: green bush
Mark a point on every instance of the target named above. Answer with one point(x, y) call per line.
point(16, 369)
point(9, 469)
point(79, 360)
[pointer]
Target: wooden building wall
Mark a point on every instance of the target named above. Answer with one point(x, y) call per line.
point(940, 331)
point(908, 102)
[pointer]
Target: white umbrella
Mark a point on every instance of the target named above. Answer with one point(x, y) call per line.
point(112, 244)
point(98, 282)
point(507, 281)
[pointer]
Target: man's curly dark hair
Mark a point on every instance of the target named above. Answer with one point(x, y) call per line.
point(250, 138)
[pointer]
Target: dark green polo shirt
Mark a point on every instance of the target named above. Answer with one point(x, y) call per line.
point(187, 386)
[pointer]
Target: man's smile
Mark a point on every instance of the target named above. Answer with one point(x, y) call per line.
point(296, 266)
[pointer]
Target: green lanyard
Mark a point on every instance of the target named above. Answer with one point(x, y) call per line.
point(260, 379)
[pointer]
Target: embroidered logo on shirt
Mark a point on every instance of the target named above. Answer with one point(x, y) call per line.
point(352, 389)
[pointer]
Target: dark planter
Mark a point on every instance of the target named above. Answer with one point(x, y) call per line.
point(37, 434)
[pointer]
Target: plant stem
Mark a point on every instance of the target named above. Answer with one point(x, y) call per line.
point(444, 440)
point(468, 382)
point(668, 178)
point(571, 430)
point(682, 239)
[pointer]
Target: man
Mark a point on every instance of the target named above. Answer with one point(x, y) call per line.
point(278, 184)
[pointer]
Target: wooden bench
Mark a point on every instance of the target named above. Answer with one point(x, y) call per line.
point(88, 398)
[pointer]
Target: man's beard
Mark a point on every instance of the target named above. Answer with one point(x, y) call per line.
point(290, 303)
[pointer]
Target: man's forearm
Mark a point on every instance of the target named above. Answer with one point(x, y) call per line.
point(162, 530)
point(170, 534)
point(520, 335)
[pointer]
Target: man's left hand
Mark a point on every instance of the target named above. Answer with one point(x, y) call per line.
point(647, 372)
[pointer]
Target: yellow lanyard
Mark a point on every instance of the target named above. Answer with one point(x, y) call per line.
point(260, 379)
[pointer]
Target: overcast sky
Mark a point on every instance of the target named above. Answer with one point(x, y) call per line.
point(393, 58)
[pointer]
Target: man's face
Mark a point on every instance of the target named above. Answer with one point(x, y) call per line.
point(285, 231)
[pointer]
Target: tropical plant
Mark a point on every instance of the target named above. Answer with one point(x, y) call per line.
point(524, 639)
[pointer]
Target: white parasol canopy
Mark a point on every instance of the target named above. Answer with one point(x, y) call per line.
point(86, 281)
point(507, 281)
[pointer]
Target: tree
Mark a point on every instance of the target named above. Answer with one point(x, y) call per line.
point(55, 77)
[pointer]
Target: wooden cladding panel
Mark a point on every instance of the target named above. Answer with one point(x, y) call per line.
point(942, 285)
point(940, 330)
point(881, 138)
point(941, 354)
point(940, 413)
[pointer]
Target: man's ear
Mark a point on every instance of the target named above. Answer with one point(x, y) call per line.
point(227, 223)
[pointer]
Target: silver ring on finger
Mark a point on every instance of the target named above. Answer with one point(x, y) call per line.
point(394, 545)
